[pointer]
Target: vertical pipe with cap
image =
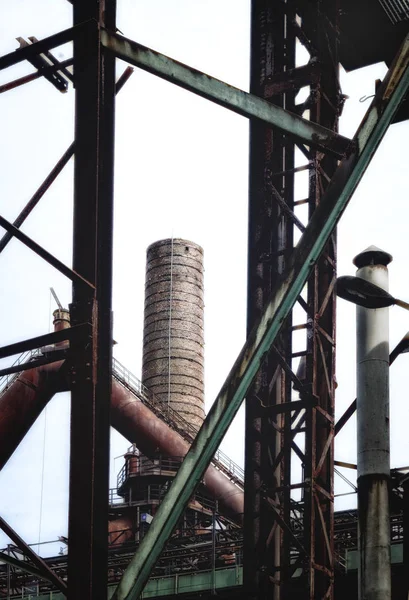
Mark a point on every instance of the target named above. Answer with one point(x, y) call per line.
point(61, 320)
point(374, 573)
point(173, 345)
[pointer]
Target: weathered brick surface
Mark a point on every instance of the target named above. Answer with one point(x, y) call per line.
point(173, 347)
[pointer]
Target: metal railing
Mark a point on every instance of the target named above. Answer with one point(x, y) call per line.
point(7, 380)
point(162, 410)
point(175, 420)
point(154, 493)
point(142, 465)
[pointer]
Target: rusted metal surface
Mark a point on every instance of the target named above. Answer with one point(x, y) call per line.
point(91, 363)
point(326, 106)
point(11, 85)
point(74, 333)
point(23, 402)
point(270, 241)
point(34, 200)
point(68, 154)
point(39, 563)
point(48, 43)
point(301, 264)
point(228, 96)
point(374, 538)
point(139, 425)
point(58, 356)
point(69, 76)
point(56, 78)
point(44, 254)
point(173, 341)
point(271, 430)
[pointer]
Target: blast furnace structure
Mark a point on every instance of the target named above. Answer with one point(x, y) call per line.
point(289, 532)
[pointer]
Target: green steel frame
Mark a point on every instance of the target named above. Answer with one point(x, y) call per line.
point(308, 251)
point(95, 49)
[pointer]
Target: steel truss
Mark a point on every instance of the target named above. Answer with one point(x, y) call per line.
point(274, 549)
point(274, 266)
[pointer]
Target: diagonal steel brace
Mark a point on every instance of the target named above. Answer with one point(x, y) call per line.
point(308, 251)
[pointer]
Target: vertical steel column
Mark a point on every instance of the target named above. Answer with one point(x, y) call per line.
point(326, 103)
point(92, 258)
point(372, 410)
point(266, 550)
point(405, 485)
point(273, 546)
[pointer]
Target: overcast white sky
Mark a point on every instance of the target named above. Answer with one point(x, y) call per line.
point(181, 170)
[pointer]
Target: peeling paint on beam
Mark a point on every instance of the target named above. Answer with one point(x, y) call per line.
point(225, 95)
point(309, 249)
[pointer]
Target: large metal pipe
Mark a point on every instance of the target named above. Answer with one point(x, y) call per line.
point(139, 425)
point(22, 403)
point(374, 572)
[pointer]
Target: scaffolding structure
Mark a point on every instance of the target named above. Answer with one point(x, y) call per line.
point(280, 275)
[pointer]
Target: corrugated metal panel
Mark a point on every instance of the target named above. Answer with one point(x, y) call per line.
point(397, 10)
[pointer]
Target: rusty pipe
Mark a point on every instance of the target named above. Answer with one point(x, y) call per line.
point(139, 425)
point(23, 402)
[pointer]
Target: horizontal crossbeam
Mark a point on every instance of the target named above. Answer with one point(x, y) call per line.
point(33, 364)
point(45, 255)
point(264, 333)
point(53, 41)
point(243, 103)
point(43, 569)
point(71, 333)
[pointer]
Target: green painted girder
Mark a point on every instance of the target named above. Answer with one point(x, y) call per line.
point(263, 335)
point(243, 103)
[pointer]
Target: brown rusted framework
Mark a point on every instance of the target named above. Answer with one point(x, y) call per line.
point(288, 523)
point(89, 359)
point(289, 506)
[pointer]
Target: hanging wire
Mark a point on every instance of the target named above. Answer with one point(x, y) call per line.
point(170, 319)
point(44, 440)
point(42, 480)
point(365, 98)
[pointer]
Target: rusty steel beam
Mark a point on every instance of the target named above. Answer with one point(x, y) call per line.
point(316, 236)
point(32, 364)
point(91, 364)
point(38, 562)
point(325, 107)
point(11, 85)
point(268, 435)
point(52, 176)
point(44, 254)
point(80, 331)
point(53, 41)
point(56, 78)
point(247, 105)
point(22, 565)
point(35, 199)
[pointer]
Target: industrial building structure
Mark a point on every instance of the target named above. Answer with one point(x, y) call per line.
point(273, 534)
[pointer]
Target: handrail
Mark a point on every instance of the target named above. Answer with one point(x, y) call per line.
point(7, 380)
point(188, 431)
point(166, 413)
